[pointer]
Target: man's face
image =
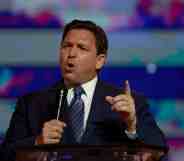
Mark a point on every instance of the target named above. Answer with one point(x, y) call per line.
point(78, 57)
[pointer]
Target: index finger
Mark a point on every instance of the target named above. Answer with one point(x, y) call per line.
point(127, 88)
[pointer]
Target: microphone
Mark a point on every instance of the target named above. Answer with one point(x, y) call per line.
point(62, 99)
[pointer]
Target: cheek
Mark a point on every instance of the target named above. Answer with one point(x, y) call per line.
point(88, 64)
point(62, 59)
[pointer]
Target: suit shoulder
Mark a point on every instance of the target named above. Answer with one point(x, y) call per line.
point(43, 93)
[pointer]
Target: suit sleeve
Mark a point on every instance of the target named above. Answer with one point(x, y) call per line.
point(19, 132)
point(147, 128)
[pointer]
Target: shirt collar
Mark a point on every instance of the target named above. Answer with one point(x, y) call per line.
point(89, 88)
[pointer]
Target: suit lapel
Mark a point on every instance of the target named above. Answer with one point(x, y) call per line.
point(54, 97)
point(95, 111)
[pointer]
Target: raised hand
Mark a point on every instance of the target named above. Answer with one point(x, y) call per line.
point(124, 104)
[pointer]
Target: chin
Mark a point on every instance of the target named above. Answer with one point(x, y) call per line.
point(71, 80)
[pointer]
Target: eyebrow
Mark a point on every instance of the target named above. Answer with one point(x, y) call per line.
point(78, 43)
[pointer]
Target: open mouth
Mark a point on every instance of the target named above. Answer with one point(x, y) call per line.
point(70, 65)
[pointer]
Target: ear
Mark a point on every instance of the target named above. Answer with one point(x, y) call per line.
point(100, 61)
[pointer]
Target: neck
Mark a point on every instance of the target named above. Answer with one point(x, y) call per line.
point(71, 84)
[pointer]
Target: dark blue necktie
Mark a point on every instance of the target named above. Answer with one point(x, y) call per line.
point(76, 114)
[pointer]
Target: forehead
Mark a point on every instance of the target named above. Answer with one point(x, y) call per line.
point(80, 35)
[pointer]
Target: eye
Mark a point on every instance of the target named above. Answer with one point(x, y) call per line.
point(65, 45)
point(82, 47)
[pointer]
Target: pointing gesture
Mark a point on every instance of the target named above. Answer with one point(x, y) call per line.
point(124, 104)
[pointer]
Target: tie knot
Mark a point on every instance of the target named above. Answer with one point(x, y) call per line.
point(78, 91)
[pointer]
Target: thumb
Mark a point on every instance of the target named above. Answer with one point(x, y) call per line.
point(127, 88)
point(109, 99)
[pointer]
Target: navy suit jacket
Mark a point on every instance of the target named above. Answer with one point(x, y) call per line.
point(103, 126)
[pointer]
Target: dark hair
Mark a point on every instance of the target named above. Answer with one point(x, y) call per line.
point(99, 33)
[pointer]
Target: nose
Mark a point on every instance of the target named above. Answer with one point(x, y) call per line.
point(72, 52)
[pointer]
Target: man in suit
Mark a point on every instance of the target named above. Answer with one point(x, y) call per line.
point(104, 113)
